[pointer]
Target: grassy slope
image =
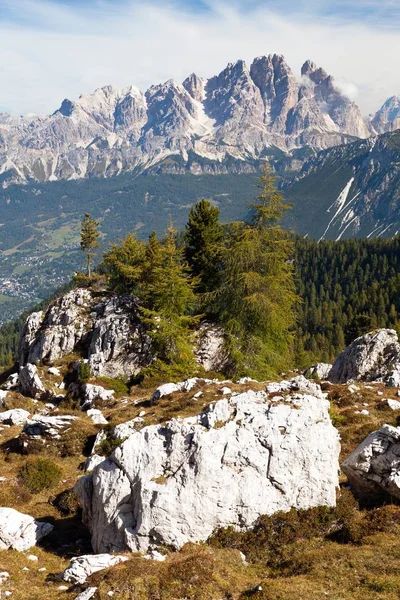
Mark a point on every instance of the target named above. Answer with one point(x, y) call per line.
point(328, 569)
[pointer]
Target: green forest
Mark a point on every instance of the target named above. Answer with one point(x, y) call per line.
point(284, 301)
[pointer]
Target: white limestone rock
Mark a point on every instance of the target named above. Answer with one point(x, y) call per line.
point(297, 384)
point(89, 394)
point(15, 416)
point(393, 404)
point(175, 483)
point(54, 371)
point(318, 371)
point(81, 567)
point(43, 425)
point(87, 594)
point(30, 382)
point(369, 358)
point(97, 416)
point(373, 467)
point(12, 382)
point(19, 531)
point(3, 396)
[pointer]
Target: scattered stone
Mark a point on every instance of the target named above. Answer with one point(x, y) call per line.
point(97, 416)
point(393, 404)
point(4, 575)
point(89, 394)
point(299, 383)
point(54, 371)
point(32, 557)
point(81, 567)
point(225, 390)
point(318, 371)
point(42, 570)
point(3, 396)
point(87, 594)
point(19, 531)
point(42, 425)
point(15, 416)
point(12, 382)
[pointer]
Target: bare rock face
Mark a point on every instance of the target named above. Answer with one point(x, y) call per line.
point(371, 357)
point(373, 468)
point(20, 532)
point(244, 456)
point(388, 116)
point(239, 113)
point(106, 329)
point(104, 324)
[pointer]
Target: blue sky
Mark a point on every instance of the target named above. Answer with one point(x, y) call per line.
point(52, 49)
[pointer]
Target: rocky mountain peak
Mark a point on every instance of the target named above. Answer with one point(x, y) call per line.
point(387, 118)
point(239, 113)
point(194, 85)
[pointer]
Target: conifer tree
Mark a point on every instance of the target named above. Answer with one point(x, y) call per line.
point(168, 315)
point(89, 240)
point(123, 263)
point(203, 245)
point(257, 295)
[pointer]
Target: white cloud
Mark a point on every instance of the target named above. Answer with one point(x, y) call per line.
point(347, 88)
point(50, 51)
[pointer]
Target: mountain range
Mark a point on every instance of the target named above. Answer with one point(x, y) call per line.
point(222, 124)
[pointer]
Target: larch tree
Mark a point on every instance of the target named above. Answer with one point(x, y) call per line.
point(89, 240)
point(257, 295)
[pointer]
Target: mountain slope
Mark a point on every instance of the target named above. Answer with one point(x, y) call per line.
point(243, 113)
point(349, 191)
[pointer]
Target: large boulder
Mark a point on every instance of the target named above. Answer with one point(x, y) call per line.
point(373, 468)
point(371, 357)
point(243, 457)
point(20, 532)
point(82, 567)
point(43, 425)
point(30, 382)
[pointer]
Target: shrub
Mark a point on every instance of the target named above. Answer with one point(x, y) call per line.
point(40, 474)
point(67, 502)
point(118, 385)
point(83, 372)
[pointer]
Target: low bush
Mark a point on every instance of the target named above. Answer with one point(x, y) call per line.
point(67, 502)
point(40, 474)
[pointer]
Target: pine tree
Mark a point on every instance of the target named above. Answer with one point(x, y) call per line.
point(89, 240)
point(257, 294)
point(203, 245)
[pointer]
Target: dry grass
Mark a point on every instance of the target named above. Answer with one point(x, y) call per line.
point(327, 569)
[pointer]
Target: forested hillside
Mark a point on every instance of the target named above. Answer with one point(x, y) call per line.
point(347, 288)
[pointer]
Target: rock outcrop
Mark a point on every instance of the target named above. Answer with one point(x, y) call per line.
point(373, 468)
point(106, 329)
point(104, 326)
point(244, 456)
point(20, 532)
point(371, 357)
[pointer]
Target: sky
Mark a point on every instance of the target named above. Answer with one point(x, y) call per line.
point(51, 50)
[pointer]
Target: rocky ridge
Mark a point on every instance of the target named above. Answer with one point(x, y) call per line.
point(242, 114)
